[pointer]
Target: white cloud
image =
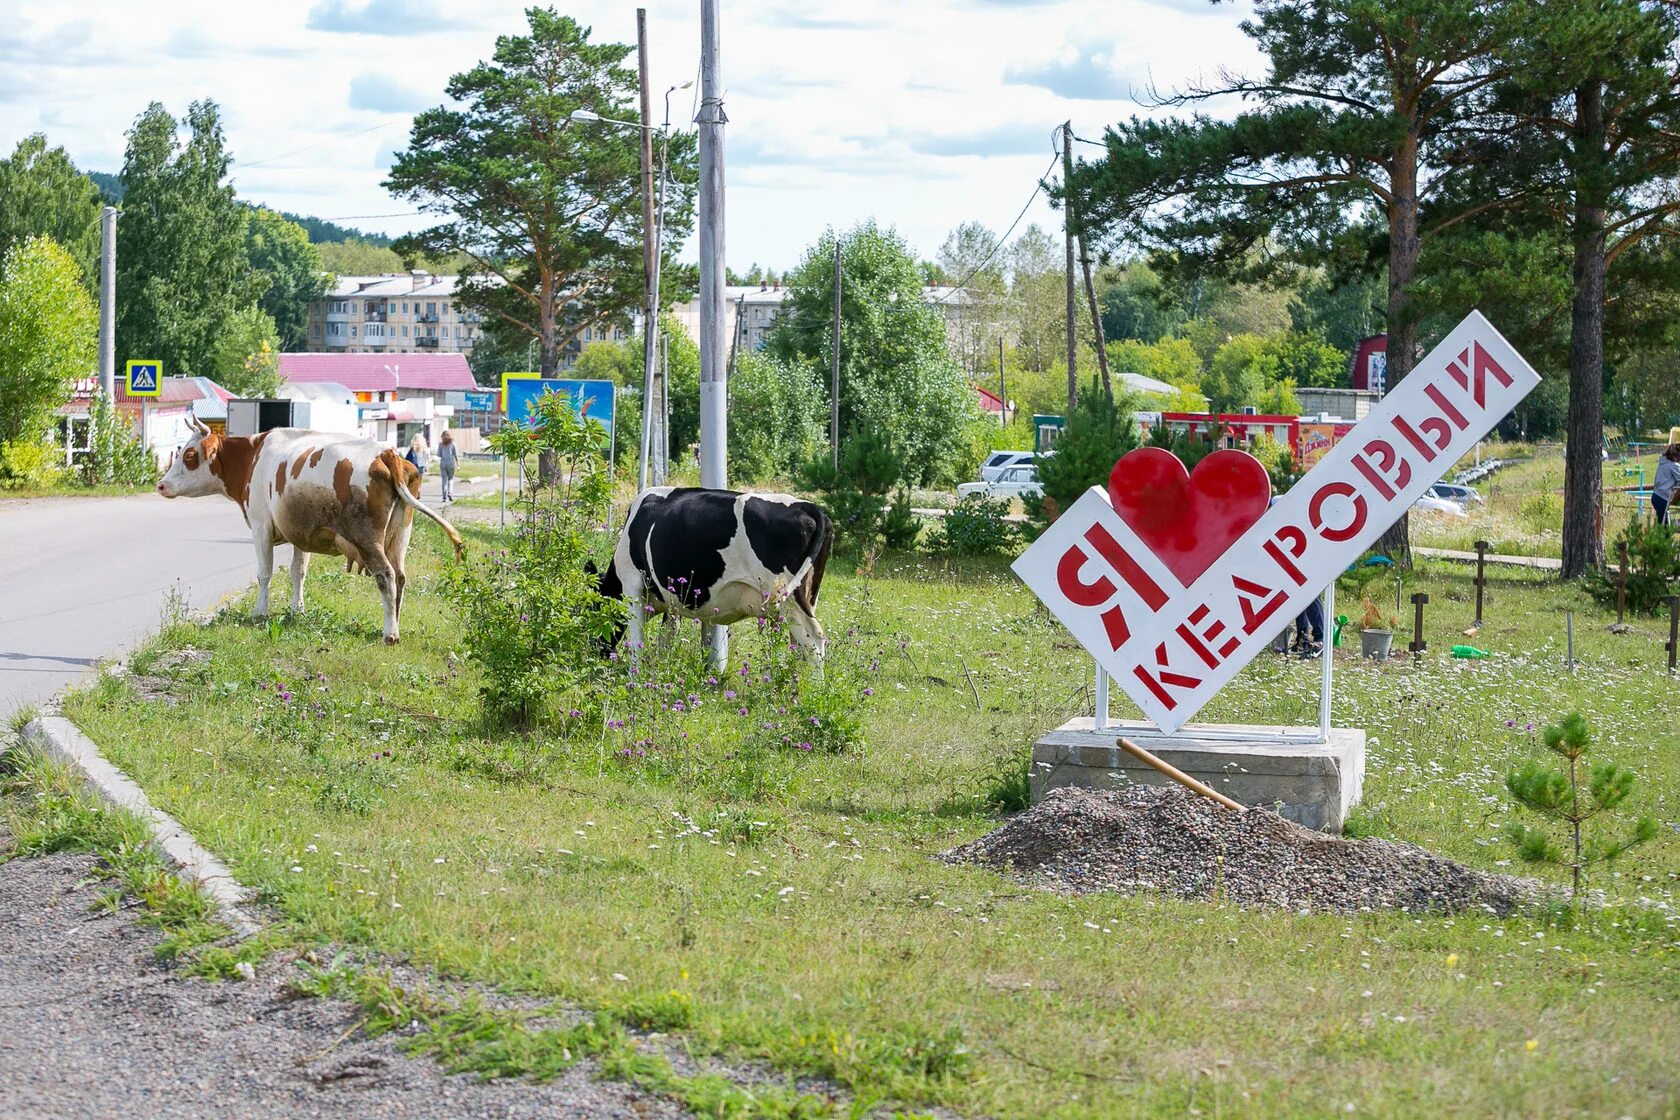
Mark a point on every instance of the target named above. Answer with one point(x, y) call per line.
point(918, 115)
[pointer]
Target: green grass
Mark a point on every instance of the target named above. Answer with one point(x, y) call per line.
point(1523, 510)
point(73, 490)
point(43, 810)
point(808, 927)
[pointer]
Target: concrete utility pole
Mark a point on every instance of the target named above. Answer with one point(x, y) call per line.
point(834, 378)
point(1096, 315)
point(1067, 229)
point(650, 258)
point(108, 302)
point(714, 377)
point(1003, 389)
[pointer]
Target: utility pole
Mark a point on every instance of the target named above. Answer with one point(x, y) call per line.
point(1096, 316)
point(1067, 230)
point(108, 303)
point(834, 377)
point(714, 382)
point(650, 257)
point(1003, 389)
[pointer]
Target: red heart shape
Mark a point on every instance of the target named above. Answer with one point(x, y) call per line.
point(1191, 518)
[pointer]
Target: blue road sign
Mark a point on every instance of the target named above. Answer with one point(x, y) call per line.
point(480, 402)
point(145, 378)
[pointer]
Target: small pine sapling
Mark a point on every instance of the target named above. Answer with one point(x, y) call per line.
point(1574, 797)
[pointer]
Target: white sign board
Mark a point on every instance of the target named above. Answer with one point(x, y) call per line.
point(1171, 647)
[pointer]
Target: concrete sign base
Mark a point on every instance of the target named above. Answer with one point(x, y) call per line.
point(1314, 784)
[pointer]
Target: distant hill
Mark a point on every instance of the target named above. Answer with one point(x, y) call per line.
point(110, 186)
point(320, 230)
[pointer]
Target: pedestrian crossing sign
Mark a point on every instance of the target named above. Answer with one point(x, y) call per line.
point(144, 378)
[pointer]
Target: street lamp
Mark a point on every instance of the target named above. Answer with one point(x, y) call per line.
point(650, 332)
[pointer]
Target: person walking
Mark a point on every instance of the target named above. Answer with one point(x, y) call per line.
point(448, 457)
point(418, 454)
point(1668, 478)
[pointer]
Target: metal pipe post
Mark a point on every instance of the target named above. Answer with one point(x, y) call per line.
point(108, 302)
point(714, 378)
point(1099, 718)
point(1329, 661)
point(650, 251)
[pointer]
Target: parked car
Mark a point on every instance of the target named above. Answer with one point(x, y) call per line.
point(1012, 482)
point(999, 461)
point(1465, 496)
point(1429, 503)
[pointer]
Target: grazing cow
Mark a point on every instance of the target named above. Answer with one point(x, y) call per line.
point(721, 556)
point(318, 492)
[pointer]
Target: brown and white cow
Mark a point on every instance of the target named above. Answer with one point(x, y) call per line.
point(316, 491)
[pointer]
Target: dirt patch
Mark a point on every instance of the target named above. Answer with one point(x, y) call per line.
point(1145, 838)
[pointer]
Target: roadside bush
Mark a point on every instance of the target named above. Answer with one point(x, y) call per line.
point(29, 463)
point(976, 527)
point(531, 615)
point(114, 454)
point(1653, 568)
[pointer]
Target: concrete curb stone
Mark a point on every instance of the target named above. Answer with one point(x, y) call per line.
point(63, 741)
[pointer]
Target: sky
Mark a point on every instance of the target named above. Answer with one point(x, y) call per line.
point(918, 113)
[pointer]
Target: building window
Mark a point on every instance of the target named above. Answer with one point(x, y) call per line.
point(352, 332)
point(405, 329)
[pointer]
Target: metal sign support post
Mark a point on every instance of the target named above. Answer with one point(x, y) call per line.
point(1100, 719)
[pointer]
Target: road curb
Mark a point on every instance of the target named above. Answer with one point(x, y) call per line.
point(59, 739)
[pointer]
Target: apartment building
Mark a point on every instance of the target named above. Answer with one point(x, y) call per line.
point(393, 313)
point(749, 313)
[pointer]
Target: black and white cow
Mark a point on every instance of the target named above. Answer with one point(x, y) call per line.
point(721, 556)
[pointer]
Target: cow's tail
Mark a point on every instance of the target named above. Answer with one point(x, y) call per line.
point(816, 560)
point(416, 504)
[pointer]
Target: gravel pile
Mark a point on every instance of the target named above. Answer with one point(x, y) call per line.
point(1148, 838)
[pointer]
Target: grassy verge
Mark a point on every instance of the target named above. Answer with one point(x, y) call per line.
point(1524, 506)
point(43, 810)
point(73, 490)
point(802, 917)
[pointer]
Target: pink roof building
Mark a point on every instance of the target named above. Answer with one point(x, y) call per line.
point(382, 373)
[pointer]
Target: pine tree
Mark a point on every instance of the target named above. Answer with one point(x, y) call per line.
point(1558, 795)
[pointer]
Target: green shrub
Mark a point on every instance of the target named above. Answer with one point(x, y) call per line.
point(855, 492)
point(1098, 432)
point(778, 416)
point(899, 524)
point(531, 615)
point(114, 453)
point(1653, 568)
point(976, 527)
point(32, 464)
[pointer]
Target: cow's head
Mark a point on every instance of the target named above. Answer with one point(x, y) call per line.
point(192, 473)
point(608, 586)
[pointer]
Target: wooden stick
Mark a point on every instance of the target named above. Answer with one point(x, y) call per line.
point(1178, 775)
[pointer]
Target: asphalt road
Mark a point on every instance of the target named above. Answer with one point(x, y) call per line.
point(86, 579)
point(82, 579)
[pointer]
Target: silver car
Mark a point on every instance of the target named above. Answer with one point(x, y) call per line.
point(1012, 482)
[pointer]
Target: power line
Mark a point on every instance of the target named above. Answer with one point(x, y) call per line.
point(354, 217)
point(317, 144)
point(1038, 185)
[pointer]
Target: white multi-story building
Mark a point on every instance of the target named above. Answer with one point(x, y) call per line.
point(750, 311)
point(393, 313)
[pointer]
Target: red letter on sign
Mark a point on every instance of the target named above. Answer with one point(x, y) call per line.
point(1387, 460)
point(1315, 510)
point(1078, 592)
